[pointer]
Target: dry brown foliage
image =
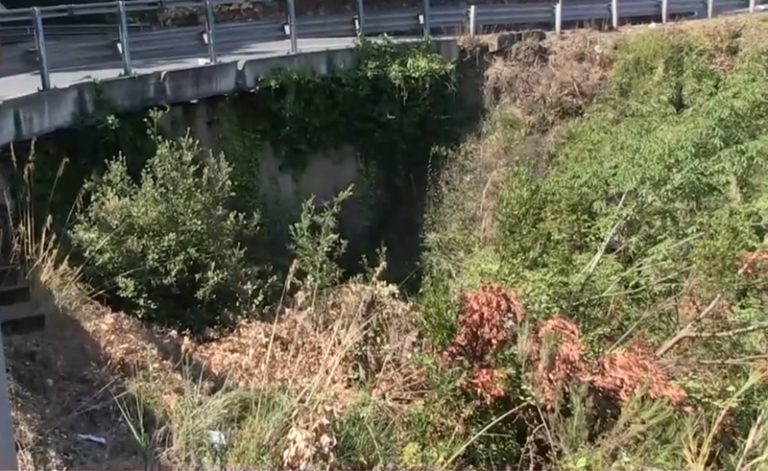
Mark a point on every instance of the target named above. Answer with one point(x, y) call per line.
point(558, 351)
point(311, 439)
point(487, 384)
point(295, 351)
point(549, 81)
point(313, 363)
point(753, 264)
point(617, 375)
point(621, 374)
point(486, 323)
point(372, 331)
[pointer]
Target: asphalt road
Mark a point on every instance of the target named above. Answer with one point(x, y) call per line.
point(27, 83)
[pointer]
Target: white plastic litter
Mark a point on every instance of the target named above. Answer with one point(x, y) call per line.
point(217, 438)
point(92, 438)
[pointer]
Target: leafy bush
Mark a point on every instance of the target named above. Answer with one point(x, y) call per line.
point(669, 197)
point(167, 246)
point(317, 245)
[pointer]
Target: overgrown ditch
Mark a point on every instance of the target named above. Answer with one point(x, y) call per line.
point(382, 128)
point(575, 281)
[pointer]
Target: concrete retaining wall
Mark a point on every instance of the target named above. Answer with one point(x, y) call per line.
point(33, 115)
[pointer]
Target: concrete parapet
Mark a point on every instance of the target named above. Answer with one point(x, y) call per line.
point(45, 111)
point(199, 82)
point(319, 62)
point(32, 115)
point(138, 91)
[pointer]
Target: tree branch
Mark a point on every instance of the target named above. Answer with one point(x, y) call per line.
point(587, 271)
point(731, 333)
point(688, 330)
point(733, 361)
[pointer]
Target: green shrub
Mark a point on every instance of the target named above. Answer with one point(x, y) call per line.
point(658, 187)
point(317, 245)
point(168, 246)
point(366, 435)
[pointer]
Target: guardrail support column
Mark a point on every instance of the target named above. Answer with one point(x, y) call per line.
point(615, 14)
point(425, 14)
point(42, 57)
point(360, 18)
point(7, 440)
point(558, 17)
point(751, 6)
point(126, 49)
point(209, 23)
point(472, 20)
point(292, 26)
point(664, 11)
point(710, 8)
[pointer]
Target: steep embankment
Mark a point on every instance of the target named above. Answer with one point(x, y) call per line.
point(593, 275)
point(632, 231)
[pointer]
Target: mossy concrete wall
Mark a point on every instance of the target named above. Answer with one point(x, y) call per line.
point(283, 187)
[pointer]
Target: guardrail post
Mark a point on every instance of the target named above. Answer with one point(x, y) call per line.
point(360, 26)
point(751, 6)
point(472, 20)
point(209, 23)
point(710, 8)
point(42, 57)
point(126, 49)
point(425, 14)
point(615, 14)
point(292, 25)
point(7, 440)
point(558, 17)
point(664, 11)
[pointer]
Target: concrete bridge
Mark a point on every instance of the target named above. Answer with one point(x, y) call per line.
point(35, 114)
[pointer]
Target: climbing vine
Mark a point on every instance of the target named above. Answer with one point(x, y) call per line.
point(393, 107)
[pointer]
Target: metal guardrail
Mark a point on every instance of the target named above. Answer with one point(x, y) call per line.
point(17, 34)
point(55, 47)
point(101, 8)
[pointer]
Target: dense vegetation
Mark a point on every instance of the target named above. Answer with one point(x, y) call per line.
point(187, 239)
point(634, 242)
point(593, 281)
